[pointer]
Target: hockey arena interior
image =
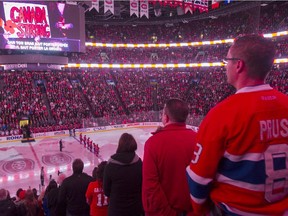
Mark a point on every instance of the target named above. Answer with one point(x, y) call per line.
point(85, 72)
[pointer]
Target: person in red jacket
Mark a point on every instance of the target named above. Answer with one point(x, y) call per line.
point(167, 153)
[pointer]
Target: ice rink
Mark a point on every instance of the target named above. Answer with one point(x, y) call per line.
point(20, 163)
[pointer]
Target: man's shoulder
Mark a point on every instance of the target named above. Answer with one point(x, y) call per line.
point(166, 133)
point(66, 180)
point(179, 129)
point(223, 108)
point(85, 175)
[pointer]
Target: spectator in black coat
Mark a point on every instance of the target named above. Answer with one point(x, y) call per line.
point(123, 179)
point(52, 199)
point(73, 189)
point(7, 206)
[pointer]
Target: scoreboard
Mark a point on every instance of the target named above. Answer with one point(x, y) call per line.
point(47, 26)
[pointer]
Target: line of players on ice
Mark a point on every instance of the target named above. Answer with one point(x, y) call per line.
point(89, 144)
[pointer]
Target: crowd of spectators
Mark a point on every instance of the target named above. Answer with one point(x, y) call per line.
point(212, 53)
point(113, 97)
point(167, 55)
point(20, 97)
point(99, 89)
point(261, 19)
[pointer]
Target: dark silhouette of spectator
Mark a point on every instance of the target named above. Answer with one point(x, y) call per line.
point(7, 206)
point(30, 206)
point(123, 179)
point(20, 200)
point(18, 194)
point(73, 189)
point(52, 185)
point(52, 199)
point(35, 193)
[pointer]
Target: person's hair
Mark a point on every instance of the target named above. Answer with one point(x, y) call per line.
point(77, 166)
point(29, 195)
point(177, 110)
point(52, 184)
point(18, 192)
point(3, 194)
point(30, 202)
point(100, 170)
point(257, 53)
point(94, 173)
point(126, 143)
point(35, 192)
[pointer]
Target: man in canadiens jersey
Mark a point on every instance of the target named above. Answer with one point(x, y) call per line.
point(240, 162)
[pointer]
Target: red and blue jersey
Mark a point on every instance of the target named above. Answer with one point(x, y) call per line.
point(98, 201)
point(240, 161)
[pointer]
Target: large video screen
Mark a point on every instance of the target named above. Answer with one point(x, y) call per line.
point(42, 26)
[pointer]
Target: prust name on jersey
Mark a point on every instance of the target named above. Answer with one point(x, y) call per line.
point(273, 128)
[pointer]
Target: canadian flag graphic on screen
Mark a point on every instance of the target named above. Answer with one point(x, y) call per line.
point(26, 20)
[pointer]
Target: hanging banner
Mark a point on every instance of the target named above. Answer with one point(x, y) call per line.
point(134, 7)
point(215, 4)
point(109, 6)
point(201, 5)
point(144, 8)
point(95, 4)
point(178, 3)
point(188, 6)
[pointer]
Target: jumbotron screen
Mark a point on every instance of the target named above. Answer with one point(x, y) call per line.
point(42, 26)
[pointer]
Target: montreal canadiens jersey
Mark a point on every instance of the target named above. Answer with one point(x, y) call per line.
point(240, 160)
point(99, 202)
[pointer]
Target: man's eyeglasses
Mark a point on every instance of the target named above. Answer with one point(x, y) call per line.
point(225, 60)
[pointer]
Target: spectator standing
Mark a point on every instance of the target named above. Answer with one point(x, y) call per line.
point(95, 194)
point(35, 193)
point(73, 189)
point(30, 206)
point(7, 206)
point(240, 161)
point(166, 155)
point(17, 198)
point(123, 179)
point(52, 185)
point(52, 199)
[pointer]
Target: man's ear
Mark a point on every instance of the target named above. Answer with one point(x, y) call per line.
point(240, 65)
point(166, 118)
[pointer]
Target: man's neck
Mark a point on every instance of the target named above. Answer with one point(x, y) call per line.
point(249, 83)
